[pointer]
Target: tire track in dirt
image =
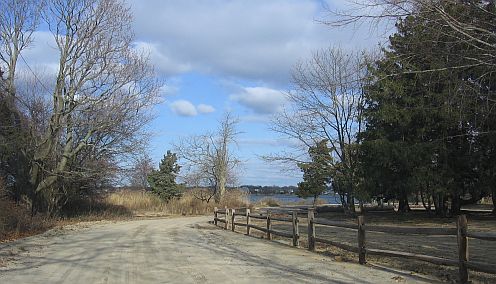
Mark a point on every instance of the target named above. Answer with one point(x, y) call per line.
point(179, 250)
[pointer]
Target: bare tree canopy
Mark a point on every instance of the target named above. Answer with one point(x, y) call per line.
point(18, 20)
point(469, 22)
point(326, 100)
point(326, 104)
point(102, 93)
point(140, 171)
point(209, 161)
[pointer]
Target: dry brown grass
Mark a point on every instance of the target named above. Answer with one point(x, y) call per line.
point(16, 221)
point(268, 202)
point(135, 201)
point(140, 202)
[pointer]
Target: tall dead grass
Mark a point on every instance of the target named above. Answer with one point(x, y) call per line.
point(141, 202)
point(16, 220)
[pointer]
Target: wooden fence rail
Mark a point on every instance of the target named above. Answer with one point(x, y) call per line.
point(461, 231)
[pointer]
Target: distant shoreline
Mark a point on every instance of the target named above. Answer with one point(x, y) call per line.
point(292, 198)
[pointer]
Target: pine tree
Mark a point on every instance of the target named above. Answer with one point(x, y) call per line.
point(428, 119)
point(316, 173)
point(163, 181)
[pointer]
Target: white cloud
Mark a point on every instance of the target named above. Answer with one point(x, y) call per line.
point(186, 108)
point(183, 108)
point(261, 100)
point(203, 108)
point(253, 40)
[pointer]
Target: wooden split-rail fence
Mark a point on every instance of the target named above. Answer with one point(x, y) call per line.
point(228, 218)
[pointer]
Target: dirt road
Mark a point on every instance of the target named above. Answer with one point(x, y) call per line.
point(176, 250)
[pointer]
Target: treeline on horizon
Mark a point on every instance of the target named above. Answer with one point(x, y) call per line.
point(252, 189)
point(269, 189)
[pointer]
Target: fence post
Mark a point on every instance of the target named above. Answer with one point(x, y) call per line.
point(311, 229)
point(233, 226)
point(361, 240)
point(215, 216)
point(269, 226)
point(462, 248)
point(226, 224)
point(248, 221)
point(296, 233)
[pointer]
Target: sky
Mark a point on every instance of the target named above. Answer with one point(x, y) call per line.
point(216, 56)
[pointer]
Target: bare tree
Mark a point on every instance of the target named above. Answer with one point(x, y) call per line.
point(475, 26)
point(33, 98)
point(209, 161)
point(326, 104)
point(102, 92)
point(18, 20)
point(142, 167)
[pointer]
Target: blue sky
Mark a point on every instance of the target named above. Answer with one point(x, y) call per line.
point(218, 56)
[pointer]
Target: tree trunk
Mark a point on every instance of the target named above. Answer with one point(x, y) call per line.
point(428, 205)
point(437, 204)
point(351, 203)
point(441, 206)
point(403, 203)
point(343, 202)
point(455, 205)
point(221, 189)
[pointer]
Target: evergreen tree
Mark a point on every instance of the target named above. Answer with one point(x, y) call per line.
point(316, 173)
point(430, 120)
point(163, 180)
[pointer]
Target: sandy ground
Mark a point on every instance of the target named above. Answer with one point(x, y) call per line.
point(174, 250)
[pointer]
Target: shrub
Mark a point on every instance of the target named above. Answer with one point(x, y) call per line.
point(16, 220)
point(268, 202)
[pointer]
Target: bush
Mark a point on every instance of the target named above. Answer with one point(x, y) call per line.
point(268, 202)
point(16, 220)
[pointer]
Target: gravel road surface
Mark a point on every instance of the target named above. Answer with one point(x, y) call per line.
point(173, 250)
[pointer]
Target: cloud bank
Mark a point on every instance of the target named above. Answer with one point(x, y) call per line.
point(254, 40)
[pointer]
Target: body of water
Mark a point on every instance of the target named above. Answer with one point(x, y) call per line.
point(291, 198)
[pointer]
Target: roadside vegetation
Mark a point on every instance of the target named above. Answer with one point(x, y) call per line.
point(143, 203)
point(16, 220)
